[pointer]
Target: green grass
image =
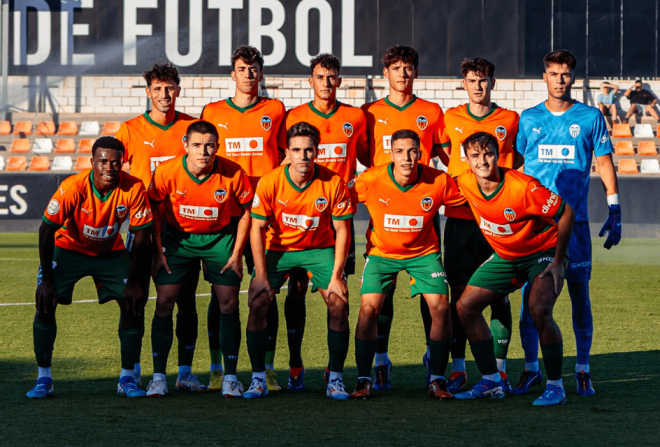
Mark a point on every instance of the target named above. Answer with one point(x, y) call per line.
point(85, 411)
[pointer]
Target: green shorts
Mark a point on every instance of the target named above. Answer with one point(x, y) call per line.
point(504, 276)
point(317, 263)
point(184, 251)
point(109, 272)
point(466, 249)
point(426, 274)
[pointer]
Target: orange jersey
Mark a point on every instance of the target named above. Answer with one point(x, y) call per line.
point(460, 124)
point(248, 136)
point(385, 118)
point(88, 222)
point(200, 206)
point(148, 143)
point(300, 219)
point(402, 218)
point(341, 131)
point(517, 219)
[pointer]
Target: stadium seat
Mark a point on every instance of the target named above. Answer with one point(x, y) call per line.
point(2, 162)
point(89, 128)
point(16, 163)
point(45, 128)
point(643, 131)
point(5, 127)
point(650, 166)
point(621, 131)
point(23, 128)
point(110, 128)
point(62, 163)
point(82, 163)
point(65, 146)
point(85, 145)
point(624, 148)
point(647, 148)
point(42, 146)
point(67, 128)
point(628, 166)
point(39, 163)
point(20, 146)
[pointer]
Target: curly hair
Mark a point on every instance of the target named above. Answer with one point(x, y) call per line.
point(162, 71)
point(247, 54)
point(108, 143)
point(325, 60)
point(478, 66)
point(401, 53)
point(560, 57)
point(303, 129)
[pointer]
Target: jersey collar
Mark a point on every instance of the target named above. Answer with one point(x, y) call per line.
point(575, 103)
point(243, 109)
point(321, 114)
point(494, 107)
point(206, 177)
point(161, 127)
point(497, 190)
point(390, 171)
point(400, 109)
point(293, 185)
point(96, 192)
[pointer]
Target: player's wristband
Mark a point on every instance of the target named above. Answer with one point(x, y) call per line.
point(612, 199)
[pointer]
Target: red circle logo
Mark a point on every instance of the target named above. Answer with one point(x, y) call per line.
point(253, 144)
point(208, 212)
point(338, 150)
point(413, 222)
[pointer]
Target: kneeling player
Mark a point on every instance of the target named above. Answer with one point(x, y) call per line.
point(517, 216)
point(403, 198)
point(295, 209)
point(197, 191)
point(80, 237)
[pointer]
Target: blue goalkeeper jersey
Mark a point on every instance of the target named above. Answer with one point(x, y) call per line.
point(558, 150)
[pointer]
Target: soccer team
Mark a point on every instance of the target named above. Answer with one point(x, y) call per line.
point(249, 179)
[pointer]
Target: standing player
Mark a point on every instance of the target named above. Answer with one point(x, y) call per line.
point(400, 109)
point(518, 217)
point(80, 237)
point(150, 139)
point(343, 140)
point(198, 228)
point(403, 199)
point(301, 210)
point(248, 125)
point(465, 247)
point(557, 139)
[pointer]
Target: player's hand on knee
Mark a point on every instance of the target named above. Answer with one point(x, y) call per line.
point(612, 226)
point(235, 264)
point(338, 287)
point(556, 269)
point(134, 294)
point(258, 286)
point(159, 262)
point(46, 297)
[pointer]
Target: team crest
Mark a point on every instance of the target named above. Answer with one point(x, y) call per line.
point(509, 214)
point(266, 123)
point(574, 130)
point(53, 207)
point(348, 129)
point(422, 122)
point(220, 195)
point(321, 204)
point(121, 211)
point(500, 133)
point(350, 184)
point(426, 203)
point(256, 202)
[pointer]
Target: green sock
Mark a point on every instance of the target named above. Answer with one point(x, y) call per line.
point(484, 356)
point(295, 314)
point(162, 334)
point(427, 320)
point(553, 359)
point(231, 340)
point(365, 350)
point(500, 327)
point(338, 348)
point(257, 345)
point(214, 329)
point(186, 333)
point(439, 356)
point(384, 323)
point(44, 334)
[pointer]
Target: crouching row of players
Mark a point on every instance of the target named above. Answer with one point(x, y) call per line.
point(299, 218)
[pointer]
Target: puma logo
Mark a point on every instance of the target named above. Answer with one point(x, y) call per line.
point(85, 211)
point(537, 130)
point(182, 193)
point(283, 203)
point(62, 191)
point(460, 130)
point(386, 202)
point(383, 121)
point(535, 188)
point(224, 126)
point(150, 144)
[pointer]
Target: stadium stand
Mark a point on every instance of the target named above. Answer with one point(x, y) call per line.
point(621, 131)
point(85, 163)
point(110, 127)
point(42, 146)
point(89, 128)
point(39, 163)
point(62, 163)
point(628, 166)
point(20, 146)
point(65, 146)
point(16, 163)
point(650, 166)
point(68, 128)
point(643, 131)
point(45, 128)
point(23, 128)
point(647, 148)
point(5, 128)
point(85, 145)
point(624, 148)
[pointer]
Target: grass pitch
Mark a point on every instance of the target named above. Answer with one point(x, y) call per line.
point(86, 411)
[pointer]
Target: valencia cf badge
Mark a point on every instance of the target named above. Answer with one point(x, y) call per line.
point(321, 204)
point(500, 133)
point(266, 123)
point(422, 122)
point(220, 195)
point(509, 214)
point(348, 129)
point(121, 211)
point(426, 203)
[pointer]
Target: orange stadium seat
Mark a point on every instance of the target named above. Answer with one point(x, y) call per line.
point(110, 128)
point(68, 128)
point(82, 163)
point(5, 127)
point(85, 145)
point(23, 128)
point(65, 145)
point(16, 163)
point(624, 148)
point(45, 128)
point(621, 131)
point(20, 146)
point(39, 163)
point(647, 148)
point(628, 166)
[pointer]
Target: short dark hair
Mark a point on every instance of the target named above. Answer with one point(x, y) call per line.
point(303, 129)
point(560, 57)
point(325, 60)
point(203, 127)
point(108, 143)
point(480, 141)
point(247, 54)
point(404, 134)
point(479, 66)
point(400, 53)
point(162, 71)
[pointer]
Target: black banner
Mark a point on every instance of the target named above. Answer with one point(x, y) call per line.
point(26, 196)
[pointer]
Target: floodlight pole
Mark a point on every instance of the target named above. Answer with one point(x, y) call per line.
point(5, 52)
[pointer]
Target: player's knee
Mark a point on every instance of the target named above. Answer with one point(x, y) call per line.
point(369, 312)
point(259, 306)
point(542, 315)
point(129, 320)
point(464, 310)
point(165, 306)
point(43, 318)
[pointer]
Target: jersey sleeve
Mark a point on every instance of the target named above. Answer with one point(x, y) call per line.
point(157, 188)
point(124, 136)
point(439, 128)
point(244, 194)
point(140, 210)
point(601, 138)
point(452, 195)
point(281, 136)
point(357, 189)
point(341, 206)
point(262, 203)
point(540, 201)
point(62, 205)
point(521, 139)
